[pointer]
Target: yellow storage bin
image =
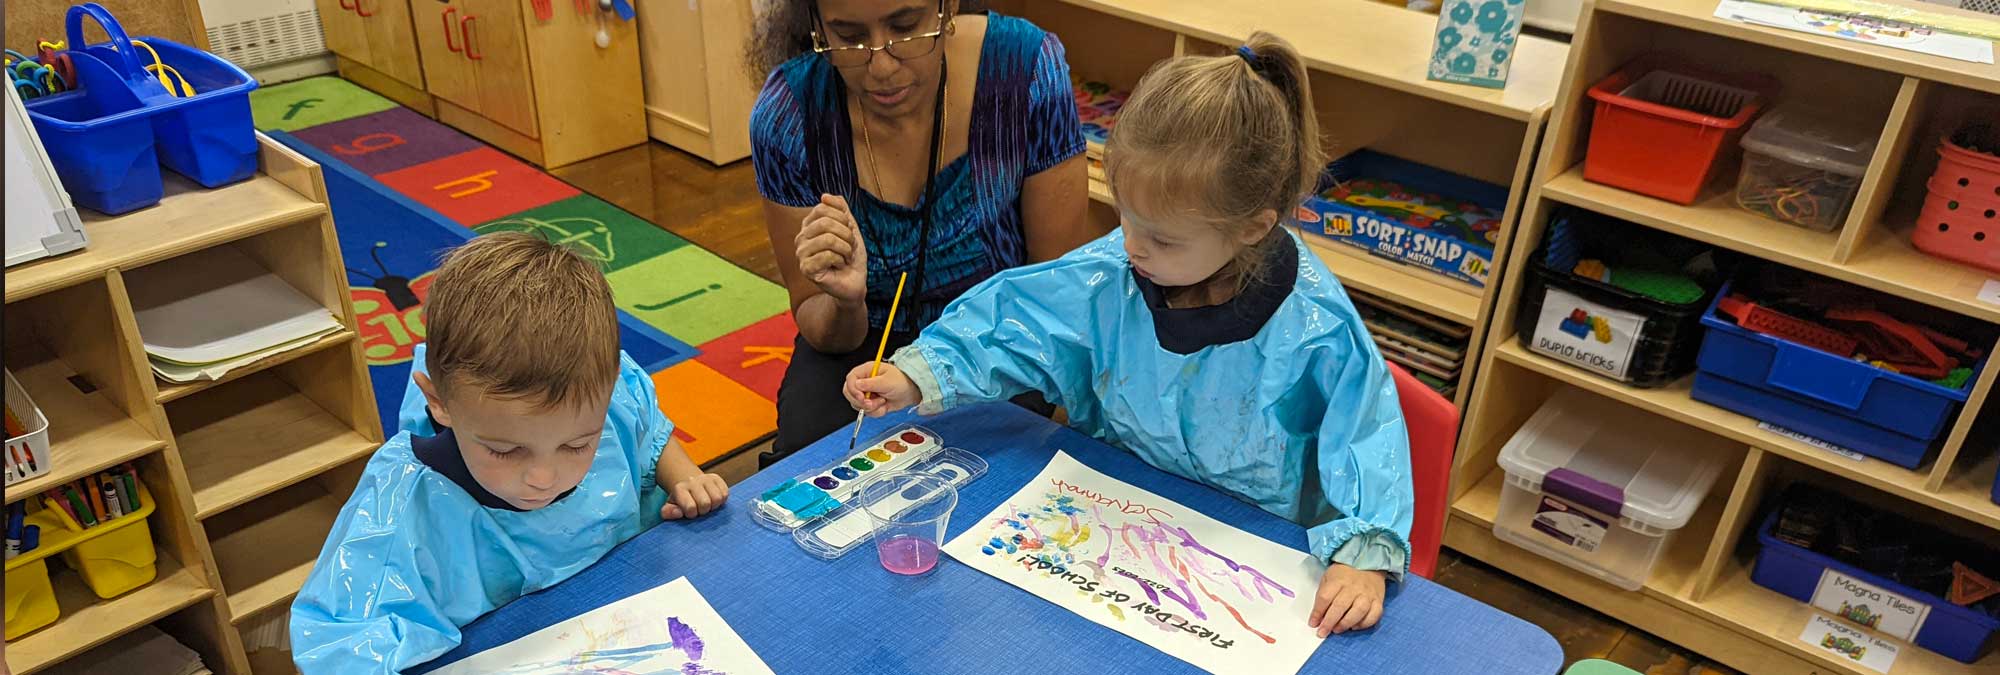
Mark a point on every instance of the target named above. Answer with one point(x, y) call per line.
point(31, 600)
point(114, 557)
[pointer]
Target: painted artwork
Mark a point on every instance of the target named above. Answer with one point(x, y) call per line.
point(669, 630)
point(1219, 598)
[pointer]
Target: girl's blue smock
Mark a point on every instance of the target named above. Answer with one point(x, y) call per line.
point(1301, 419)
point(413, 557)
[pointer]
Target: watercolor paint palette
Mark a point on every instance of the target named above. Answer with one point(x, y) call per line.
point(819, 507)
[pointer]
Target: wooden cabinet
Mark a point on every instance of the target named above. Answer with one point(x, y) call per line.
point(698, 92)
point(496, 45)
point(535, 85)
point(448, 74)
point(375, 34)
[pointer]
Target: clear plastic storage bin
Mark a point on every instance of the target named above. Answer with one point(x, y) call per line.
point(1804, 168)
point(1603, 487)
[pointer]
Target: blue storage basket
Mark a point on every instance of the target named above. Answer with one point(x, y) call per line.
point(1873, 411)
point(108, 138)
point(1957, 632)
point(100, 140)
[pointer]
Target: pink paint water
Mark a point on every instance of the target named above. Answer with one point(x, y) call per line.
point(907, 554)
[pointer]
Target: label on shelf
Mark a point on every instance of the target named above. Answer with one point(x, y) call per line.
point(1990, 292)
point(1588, 334)
point(1848, 644)
point(1869, 605)
point(1808, 440)
point(1569, 525)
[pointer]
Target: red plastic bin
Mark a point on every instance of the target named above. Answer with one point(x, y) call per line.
point(1659, 132)
point(1961, 216)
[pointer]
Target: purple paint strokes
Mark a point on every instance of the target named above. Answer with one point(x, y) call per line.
point(684, 638)
point(1151, 595)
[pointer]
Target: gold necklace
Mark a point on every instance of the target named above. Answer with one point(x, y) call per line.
point(944, 125)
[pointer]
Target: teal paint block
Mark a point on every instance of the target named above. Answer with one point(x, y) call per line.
point(1475, 41)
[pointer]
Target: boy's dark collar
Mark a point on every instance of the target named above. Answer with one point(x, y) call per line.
point(1191, 329)
point(441, 454)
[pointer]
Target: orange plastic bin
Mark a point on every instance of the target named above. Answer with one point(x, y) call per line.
point(1660, 132)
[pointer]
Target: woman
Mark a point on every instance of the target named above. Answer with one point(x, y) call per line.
point(893, 137)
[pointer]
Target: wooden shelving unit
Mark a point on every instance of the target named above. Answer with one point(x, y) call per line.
point(1700, 594)
point(294, 426)
point(1367, 62)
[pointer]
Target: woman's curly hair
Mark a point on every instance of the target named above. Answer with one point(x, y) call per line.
point(782, 29)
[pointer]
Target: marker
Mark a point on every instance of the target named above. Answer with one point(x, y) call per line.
point(879, 349)
point(15, 513)
point(95, 495)
point(31, 538)
point(131, 483)
point(78, 506)
point(113, 506)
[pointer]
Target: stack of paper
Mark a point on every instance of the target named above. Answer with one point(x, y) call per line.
point(205, 314)
point(145, 650)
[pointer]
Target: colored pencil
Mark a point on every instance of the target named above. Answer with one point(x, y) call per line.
point(887, 326)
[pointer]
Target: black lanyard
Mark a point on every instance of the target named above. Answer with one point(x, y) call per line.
point(930, 178)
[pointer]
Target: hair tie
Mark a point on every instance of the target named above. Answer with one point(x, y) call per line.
point(1250, 57)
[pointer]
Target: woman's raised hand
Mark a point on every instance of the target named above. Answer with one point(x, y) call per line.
point(831, 252)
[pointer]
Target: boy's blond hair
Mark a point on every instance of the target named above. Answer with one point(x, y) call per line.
point(522, 318)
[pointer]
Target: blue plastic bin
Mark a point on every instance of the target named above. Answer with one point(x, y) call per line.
point(1951, 630)
point(1873, 411)
point(100, 140)
point(107, 139)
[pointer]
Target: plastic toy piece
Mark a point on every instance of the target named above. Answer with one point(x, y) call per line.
point(1664, 287)
point(1592, 268)
point(1969, 586)
point(1895, 342)
point(1956, 380)
point(1779, 324)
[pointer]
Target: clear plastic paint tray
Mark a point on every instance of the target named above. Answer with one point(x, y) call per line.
point(819, 507)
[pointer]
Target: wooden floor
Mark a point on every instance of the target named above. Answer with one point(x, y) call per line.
point(719, 209)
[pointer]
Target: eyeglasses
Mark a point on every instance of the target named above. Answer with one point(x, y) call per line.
point(903, 49)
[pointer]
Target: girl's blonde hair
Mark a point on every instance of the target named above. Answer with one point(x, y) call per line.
point(1220, 138)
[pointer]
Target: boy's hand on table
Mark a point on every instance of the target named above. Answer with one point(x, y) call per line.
point(694, 496)
point(877, 396)
point(1348, 599)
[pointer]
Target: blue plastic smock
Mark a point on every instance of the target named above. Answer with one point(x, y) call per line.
point(1301, 418)
point(413, 556)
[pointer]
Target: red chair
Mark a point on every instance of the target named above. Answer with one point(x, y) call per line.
point(1433, 426)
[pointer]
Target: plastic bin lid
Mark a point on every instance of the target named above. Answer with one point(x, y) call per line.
point(1662, 468)
point(1815, 139)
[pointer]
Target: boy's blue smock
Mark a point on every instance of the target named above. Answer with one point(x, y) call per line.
point(1301, 419)
point(413, 557)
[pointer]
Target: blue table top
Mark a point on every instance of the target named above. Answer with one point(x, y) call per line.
point(805, 615)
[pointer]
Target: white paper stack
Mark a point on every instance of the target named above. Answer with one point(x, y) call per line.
point(145, 650)
point(207, 313)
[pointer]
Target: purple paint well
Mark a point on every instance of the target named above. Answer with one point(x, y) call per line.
point(825, 483)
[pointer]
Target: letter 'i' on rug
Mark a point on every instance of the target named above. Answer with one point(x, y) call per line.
point(715, 338)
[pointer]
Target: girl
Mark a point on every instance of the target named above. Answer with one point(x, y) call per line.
point(1198, 335)
point(900, 136)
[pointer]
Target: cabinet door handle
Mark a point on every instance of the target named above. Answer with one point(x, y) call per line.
point(350, 7)
point(448, 44)
point(359, 10)
point(465, 35)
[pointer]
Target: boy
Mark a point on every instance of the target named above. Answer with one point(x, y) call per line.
point(535, 447)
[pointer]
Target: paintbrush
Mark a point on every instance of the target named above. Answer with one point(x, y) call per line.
point(879, 349)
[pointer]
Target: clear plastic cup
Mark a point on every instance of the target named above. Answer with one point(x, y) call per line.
point(910, 511)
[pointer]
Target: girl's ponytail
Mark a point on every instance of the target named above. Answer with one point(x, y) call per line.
point(1274, 59)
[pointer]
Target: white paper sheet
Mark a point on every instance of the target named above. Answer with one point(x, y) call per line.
point(669, 630)
point(1860, 29)
point(1222, 599)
